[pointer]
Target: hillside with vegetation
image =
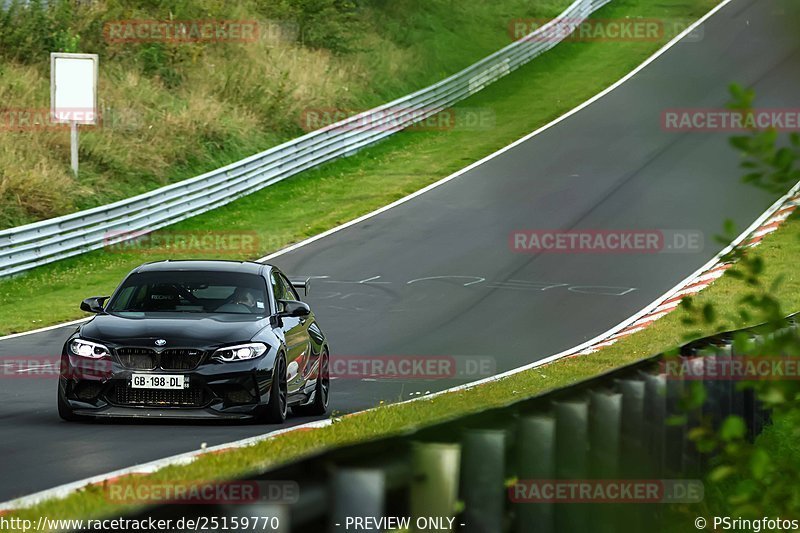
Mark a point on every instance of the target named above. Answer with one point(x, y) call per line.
point(172, 110)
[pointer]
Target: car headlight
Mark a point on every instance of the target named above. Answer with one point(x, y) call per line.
point(241, 352)
point(89, 349)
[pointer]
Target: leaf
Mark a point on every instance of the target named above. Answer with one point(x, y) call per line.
point(760, 463)
point(741, 143)
point(677, 420)
point(748, 511)
point(770, 137)
point(696, 394)
point(732, 428)
point(772, 396)
point(705, 446)
point(696, 433)
point(734, 273)
point(720, 473)
point(736, 91)
point(709, 315)
point(745, 315)
point(784, 158)
point(730, 227)
point(776, 283)
point(757, 265)
point(752, 177)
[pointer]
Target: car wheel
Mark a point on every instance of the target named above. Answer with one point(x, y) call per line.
point(278, 393)
point(319, 406)
point(65, 411)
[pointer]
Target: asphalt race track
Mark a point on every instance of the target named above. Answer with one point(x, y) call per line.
point(436, 276)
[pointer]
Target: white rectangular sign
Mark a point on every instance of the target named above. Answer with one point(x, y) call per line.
point(73, 88)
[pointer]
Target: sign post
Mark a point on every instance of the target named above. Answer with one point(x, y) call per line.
point(73, 147)
point(73, 94)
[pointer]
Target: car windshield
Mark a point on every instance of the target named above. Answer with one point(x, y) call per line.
point(191, 292)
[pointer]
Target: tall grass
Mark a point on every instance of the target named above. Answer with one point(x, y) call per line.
point(171, 111)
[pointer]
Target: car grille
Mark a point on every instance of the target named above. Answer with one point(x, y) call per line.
point(191, 397)
point(137, 358)
point(180, 359)
point(149, 359)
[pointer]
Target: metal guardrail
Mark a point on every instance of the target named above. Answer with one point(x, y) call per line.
point(612, 427)
point(43, 242)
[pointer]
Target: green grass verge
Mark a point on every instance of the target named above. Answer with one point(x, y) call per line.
point(317, 200)
point(777, 250)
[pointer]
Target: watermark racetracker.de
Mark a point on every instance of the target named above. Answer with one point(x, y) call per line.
point(49, 367)
point(606, 241)
point(198, 243)
point(202, 492)
point(733, 368)
point(416, 367)
point(784, 120)
point(573, 29)
point(397, 118)
point(606, 491)
point(358, 367)
point(39, 119)
point(180, 31)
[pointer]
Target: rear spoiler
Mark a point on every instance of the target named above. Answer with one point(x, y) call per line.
point(301, 284)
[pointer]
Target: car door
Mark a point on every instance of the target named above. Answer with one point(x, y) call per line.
point(295, 330)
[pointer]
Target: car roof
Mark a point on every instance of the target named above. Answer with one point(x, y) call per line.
point(243, 267)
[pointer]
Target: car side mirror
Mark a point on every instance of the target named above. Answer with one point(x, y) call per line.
point(293, 308)
point(94, 304)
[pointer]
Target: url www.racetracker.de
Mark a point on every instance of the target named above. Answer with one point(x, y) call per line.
point(203, 523)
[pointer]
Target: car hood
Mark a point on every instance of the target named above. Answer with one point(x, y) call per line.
point(178, 329)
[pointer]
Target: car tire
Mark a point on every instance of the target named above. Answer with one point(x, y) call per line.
point(65, 411)
point(278, 394)
point(319, 406)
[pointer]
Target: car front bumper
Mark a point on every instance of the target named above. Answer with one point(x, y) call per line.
point(103, 388)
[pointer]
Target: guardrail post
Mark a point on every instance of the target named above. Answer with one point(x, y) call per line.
point(760, 414)
point(715, 405)
point(572, 446)
point(632, 427)
point(739, 398)
point(727, 387)
point(536, 459)
point(482, 480)
point(434, 480)
point(674, 433)
point(745, 403)
point(692, 458)
point(633, 447)
point(356, 492)
point(605, 428)
point(655, 416)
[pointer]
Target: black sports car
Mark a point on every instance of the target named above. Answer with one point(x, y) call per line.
point(197, 339)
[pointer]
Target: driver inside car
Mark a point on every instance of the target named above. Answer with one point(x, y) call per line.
point(242, 301)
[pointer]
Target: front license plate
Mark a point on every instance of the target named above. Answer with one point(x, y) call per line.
point(158, 381)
